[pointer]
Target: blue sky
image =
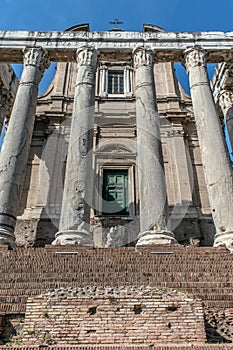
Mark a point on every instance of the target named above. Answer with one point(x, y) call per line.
point(173, 15)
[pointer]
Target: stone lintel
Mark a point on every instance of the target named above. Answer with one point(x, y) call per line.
point(62, 46)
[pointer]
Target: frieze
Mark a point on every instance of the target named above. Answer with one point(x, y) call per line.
point(62, 46)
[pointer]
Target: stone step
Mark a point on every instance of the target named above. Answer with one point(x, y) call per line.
point(204, 272)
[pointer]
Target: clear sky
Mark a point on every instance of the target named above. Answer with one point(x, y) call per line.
point(173, 15)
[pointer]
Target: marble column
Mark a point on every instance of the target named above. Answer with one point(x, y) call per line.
point(74, 225)
point(152, 187)
point(216, 165)
point(226, 104)
point(15, 151)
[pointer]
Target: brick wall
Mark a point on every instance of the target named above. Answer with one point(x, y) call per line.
point(219, 324)
point(94, 315)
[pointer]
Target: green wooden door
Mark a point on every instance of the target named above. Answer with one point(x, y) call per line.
point(115, 192)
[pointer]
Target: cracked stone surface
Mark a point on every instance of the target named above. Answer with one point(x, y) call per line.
point(77, 195)
point(216, 165)
point(152, 187)
point(15, 151)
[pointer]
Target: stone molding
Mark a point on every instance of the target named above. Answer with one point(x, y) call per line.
point(175, 133)
point(35, 56)
point(86, 56)
point(195, 56)
point(143, 57)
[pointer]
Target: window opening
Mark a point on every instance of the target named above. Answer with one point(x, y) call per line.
point(115, 81)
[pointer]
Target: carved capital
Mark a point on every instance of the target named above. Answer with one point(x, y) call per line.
point(225, 100)
point(143, 57)
point(86, 56)
point(194, 57)
point(36, 56)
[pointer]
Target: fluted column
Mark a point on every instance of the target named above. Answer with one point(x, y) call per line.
point(226, 104)
point(75, 213)
point(152, 187)
point(14, 155)
point(217, 169)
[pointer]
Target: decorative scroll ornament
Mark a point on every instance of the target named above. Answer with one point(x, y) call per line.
point(36, 56)
point(195, 56)
point(226, 100)
point(143, 57)
point(87, 56)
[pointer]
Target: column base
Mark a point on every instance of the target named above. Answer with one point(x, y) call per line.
point(78, 237)
point(156, 238)
point(225, 239)
point(7, 238)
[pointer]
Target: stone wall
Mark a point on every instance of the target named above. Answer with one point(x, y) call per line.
point(219, 324)
point(121, 315)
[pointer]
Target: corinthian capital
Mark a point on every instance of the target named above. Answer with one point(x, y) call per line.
point(225, 100)
point(194, 57)
point(86, 56)
point(143, 57)
point(36, 56)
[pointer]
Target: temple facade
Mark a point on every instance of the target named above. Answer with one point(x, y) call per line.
point(115, 153)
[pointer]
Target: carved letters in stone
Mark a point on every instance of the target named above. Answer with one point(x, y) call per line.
point(143, 57)
point(195, 56)
point(87, 56)
point(36, 57)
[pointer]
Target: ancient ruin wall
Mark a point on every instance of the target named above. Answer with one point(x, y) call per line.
point(113, 316)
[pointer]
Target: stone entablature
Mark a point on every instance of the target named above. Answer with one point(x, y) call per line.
point(61, 46)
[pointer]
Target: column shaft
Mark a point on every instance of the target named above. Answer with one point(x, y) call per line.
point(217, 169)
point(14, 155)
point(152, 187)
point(77, 194)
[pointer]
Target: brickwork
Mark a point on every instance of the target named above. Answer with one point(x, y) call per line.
point(219, 323)
point(202, 273)
point(113, 316)
point(205, 273)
